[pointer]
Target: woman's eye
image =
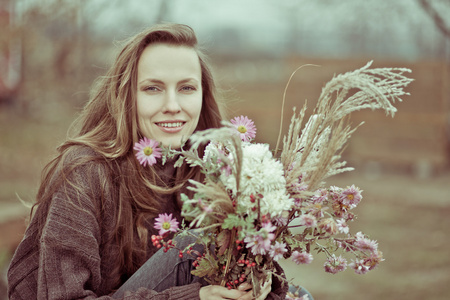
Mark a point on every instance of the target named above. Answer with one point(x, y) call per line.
point(152, 89)
point(188, 88)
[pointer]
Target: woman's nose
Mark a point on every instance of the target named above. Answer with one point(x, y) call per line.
point(171, 104)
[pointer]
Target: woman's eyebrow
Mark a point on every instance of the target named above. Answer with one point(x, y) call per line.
point(162, 82)
point(151, 80)
point(188, 80)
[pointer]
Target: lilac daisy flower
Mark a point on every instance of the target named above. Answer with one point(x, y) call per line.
point(147, 151)
point(351, 196)
point(335, 264)
point(165, 223)
point(258, 244)
point(301, 257)
point(364, 244)
point(359, 267)
point(342, 226)
point(277, 251)
point(308, 220)
point(245, 127)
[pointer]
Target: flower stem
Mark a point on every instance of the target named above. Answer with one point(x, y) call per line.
point(230, 252)
point(282, 105)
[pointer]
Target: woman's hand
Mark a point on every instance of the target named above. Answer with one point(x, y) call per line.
point(264, 291)
point(243, 292)
point(217, 292)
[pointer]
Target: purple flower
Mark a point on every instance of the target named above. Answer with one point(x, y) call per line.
point(359, 267)
point(308, 220)
point(335, 264)
point(257, 244)
point(364, 244)
point(165, 223)
point(147, 151)
point(277, 251)
point(351, 196)
point(301, 257)
point(342, 226)
point(245, 127)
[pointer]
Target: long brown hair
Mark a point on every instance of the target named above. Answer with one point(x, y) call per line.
point(108, 126)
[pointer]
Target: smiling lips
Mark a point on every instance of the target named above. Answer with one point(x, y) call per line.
point(171, 127)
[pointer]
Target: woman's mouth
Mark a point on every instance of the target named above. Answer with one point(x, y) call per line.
point(171, 127)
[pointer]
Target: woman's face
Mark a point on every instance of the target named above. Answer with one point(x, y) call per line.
point(169, 93)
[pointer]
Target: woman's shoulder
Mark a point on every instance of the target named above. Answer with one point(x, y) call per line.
point(80, 154)
point(83, 163)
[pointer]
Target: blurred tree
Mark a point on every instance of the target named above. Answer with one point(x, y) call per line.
point(10, 54)
point(162, 12)
point(438, 16)
point(439, 11)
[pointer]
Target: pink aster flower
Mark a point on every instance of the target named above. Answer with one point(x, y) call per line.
point(342, 226)
point(351, 196)
point(257, 244)
point(165, 223)
point(364, 244)
point(320, 196)
point(301, 257)
point(359, 266)
point(374, 260)
point(308, 220)
point(147, 151)
point(328, 225)
point(245, 127)
point(277, 251)
point(335, 192)
point(268, 228)
point(335, 264)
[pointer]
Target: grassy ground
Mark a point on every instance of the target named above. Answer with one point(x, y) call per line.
point(408, 216)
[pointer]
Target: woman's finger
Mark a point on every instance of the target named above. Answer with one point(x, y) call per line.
point(217, 292)
point(244, 286)
point(263, 293)
point(265, 289)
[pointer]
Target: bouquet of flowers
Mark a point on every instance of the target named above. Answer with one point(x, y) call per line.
point(252, 198)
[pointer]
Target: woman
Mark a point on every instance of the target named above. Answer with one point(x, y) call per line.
point(96, 204)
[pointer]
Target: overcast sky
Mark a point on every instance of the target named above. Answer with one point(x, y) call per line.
point(324, 27)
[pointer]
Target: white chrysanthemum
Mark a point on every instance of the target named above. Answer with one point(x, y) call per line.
point(260, 174)
point(212, 152)
point(275, 202)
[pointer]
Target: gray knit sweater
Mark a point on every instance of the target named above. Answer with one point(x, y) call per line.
point(76, 252)
point(75, 255)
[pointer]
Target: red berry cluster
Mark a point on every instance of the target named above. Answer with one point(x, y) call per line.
point(247, 262)
point(196, 262)
point(254, 199)
point(158, 242)
point(233, 283)
point(239, 244)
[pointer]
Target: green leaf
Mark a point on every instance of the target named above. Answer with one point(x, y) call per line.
point(223, 241)
point(233, 221)
point(256, 284)
point(206, 267)
point(179, 162)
